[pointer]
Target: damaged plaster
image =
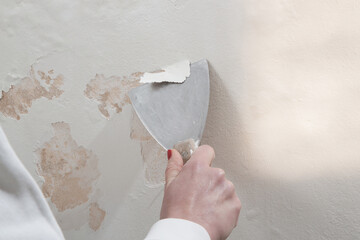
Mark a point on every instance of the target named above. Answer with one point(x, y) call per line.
point(20, 97)
point(70, 173)
point(96, 216)
point(111, 92)
point(153, 155)
point(69, 170)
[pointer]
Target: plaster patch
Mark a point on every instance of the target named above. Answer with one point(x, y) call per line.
point(19, 98)
point(153, 155)
point(69, 170)
point(111, 92)
point(175, 73)
point(9, 80)
point(96, 216)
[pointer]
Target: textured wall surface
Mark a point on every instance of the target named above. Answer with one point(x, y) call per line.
point(283, 118)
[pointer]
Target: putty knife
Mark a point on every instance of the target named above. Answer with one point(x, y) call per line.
point(175, 113)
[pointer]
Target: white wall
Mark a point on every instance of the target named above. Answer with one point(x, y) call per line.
point(283, 118)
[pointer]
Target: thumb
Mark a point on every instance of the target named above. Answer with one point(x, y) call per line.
point(174, 166)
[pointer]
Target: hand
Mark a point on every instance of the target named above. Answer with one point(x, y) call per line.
point(199, 193)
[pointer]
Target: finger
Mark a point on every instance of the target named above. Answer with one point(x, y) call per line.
point(229, 189)
point(237, 209)
point(204, 154)
point(174, 166)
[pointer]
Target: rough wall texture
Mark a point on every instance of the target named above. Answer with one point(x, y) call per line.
point(283, 116)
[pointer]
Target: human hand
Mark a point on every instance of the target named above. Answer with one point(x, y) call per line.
point(199, 193)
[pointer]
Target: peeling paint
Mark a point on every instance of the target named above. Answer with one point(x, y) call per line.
point(96, 216)
point(175, 73)
point(111, 92)
point(19, 98)
point(69, 170)
point(153, 155)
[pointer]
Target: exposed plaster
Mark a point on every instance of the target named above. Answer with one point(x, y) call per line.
point(153, 155)
point(96, 216)
point(20, 97)
point(111, 92)
point(69, 170)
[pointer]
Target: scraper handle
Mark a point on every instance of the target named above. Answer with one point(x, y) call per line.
point(186, 148)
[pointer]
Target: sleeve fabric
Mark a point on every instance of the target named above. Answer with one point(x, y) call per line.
point(24, 212)
point(177, 229)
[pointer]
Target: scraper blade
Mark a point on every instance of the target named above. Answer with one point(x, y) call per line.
point(175, 112)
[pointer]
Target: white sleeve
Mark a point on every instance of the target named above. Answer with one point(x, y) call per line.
point(177, 229)
point(24, 212)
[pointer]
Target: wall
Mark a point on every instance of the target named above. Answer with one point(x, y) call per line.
point(283, 116)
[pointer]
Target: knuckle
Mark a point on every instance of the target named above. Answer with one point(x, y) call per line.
point(230, 187)
point(236, 222)
point(237, 208)
point(208, 149)
point(220, 174)
point(238, 205)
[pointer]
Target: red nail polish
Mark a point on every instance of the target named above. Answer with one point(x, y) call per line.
point(169, 154)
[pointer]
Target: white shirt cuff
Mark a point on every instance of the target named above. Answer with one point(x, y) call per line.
point(177, 229)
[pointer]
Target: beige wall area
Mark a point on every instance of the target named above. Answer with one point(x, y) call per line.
point(284, 113)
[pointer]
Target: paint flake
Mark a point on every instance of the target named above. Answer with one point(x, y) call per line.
point(69, 170)
point(19, 98)
point(175, 73)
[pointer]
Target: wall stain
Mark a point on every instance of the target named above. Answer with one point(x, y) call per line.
point(96, 216)
point(111, 92)
point(19, 98)
point(69, 170)
point(153, 155)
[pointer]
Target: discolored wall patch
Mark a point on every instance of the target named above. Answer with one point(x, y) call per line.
point(19, 98)
point(69, 170)
point(153, 155)
point(96, 216)
point(111, 92)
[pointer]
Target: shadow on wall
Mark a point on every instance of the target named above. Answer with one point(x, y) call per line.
point(224, 132)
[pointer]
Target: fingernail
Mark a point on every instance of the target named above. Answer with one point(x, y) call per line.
point(169, 154)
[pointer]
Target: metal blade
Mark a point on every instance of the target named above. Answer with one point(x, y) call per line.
point(174, 112)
